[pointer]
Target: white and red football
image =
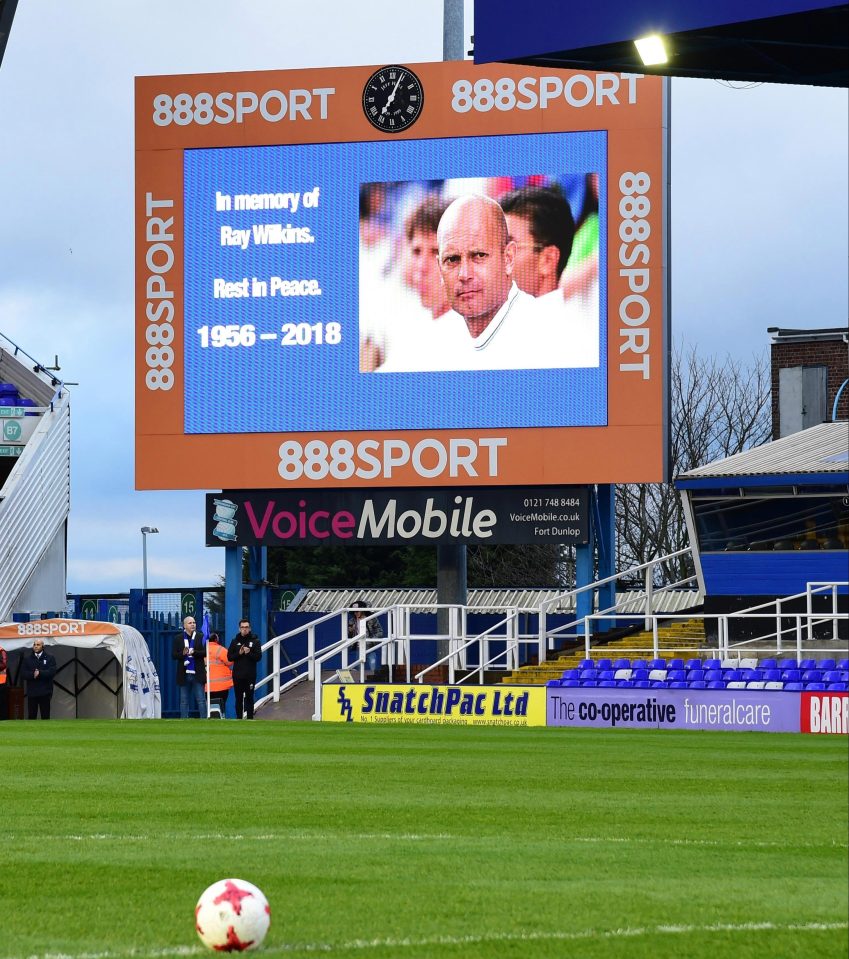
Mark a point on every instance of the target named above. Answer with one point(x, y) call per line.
point(232, 915)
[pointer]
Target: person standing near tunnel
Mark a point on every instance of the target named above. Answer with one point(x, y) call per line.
point(38, 669)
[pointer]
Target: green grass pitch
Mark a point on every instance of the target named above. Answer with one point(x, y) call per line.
point(421, 841)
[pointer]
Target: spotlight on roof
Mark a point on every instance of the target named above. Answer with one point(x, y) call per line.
point(652, 50)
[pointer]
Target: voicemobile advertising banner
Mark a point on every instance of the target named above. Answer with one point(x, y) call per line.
point(401, 276)
point(353, 517)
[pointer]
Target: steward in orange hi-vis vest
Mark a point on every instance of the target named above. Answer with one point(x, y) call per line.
point(220, 671)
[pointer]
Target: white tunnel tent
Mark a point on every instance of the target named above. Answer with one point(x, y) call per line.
point(104, 670)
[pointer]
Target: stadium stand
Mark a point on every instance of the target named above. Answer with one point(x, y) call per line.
point(770, 674)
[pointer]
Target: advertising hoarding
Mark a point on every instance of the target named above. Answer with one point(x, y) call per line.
point(298, 327)
point(434, 705)
point(353, 517)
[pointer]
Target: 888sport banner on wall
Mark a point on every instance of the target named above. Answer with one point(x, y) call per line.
point(411, 275)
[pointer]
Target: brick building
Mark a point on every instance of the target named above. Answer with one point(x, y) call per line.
point(809, 369)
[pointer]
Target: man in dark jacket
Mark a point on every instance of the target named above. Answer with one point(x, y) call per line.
point(189, 651)
point(244, 653)
point(38, 668)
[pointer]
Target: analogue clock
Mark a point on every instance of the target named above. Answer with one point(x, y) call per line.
point(393, 99)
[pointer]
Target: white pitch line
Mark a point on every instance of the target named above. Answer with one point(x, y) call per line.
point(484, 938)
point(441, 837)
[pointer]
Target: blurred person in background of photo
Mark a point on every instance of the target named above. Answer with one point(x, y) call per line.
point(540, 223)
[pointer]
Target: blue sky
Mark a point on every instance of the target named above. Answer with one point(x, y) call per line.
point(758, 193)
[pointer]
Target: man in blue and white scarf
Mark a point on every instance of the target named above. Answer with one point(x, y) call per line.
point(189, 652)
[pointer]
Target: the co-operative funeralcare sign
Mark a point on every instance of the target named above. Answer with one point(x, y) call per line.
point(303, 320)
point(358, 517)
point(719, 709)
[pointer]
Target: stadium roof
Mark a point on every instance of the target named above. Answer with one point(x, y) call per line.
point(820, 451)
point(775, 41)
point(7, 14)
point(781, 334)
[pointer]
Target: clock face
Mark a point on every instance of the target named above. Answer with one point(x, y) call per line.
point(393, 99)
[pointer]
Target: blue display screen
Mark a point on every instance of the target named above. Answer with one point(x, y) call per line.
point(307, 311)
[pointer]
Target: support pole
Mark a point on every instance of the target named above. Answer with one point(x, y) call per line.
point(450, 558)
point(258, 599)
point(232, 590)
point(606, 499)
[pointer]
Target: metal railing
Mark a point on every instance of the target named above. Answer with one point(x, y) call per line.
point(547, 637)
point(395, 648)
point(778, 637)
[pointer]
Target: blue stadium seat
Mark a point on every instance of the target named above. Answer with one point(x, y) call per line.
point(812, 676)
point(791, 675)
point(713, 664)
point(843, 664)
point(571, 683)
point(837, 687)
point(693, 664)
point(642, 684)
point(607, 683)
point(639, 664)
point(811, 687)
point(694, 675)
point(716, 684)
point(769, 664)
point(788, 664)
point(772, 675)
point(807, 664)
point(657, 664)
point(732, 675)
point(622, 664)
point(832, 676)
point(752, 675)
point(640, 675)
point(826, 664)
point(571, 674)
point(659, 684)
point(606, 676)
point(698, 684)
point(625, 683)
point(589, 683)
point(553, 682)
point(676, 676)
point(792, 687)
point(588, 674)
point(675, 664)
point(678, 684)
point(586, 664)
point(714, 676)
point(604, 664)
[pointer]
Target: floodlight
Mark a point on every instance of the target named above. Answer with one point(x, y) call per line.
point(652, 50)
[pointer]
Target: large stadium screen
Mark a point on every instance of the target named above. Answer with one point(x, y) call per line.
point(414, 275)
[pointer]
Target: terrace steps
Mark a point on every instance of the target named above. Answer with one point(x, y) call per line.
point(681, 639)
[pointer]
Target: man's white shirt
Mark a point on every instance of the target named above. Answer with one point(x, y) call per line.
point(525, 333)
